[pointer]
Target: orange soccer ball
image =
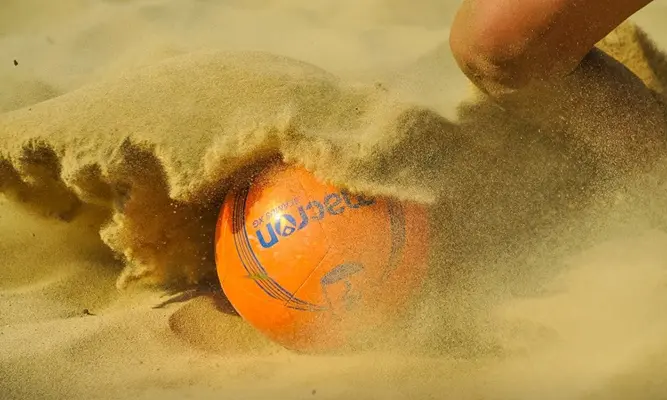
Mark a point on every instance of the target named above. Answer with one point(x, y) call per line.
point(311, 265)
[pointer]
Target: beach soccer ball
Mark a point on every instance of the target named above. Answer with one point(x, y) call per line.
point(312, 266)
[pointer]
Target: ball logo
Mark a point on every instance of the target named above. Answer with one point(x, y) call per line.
point(284, 224)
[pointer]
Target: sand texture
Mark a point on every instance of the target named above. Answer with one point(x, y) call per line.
point(124, 123)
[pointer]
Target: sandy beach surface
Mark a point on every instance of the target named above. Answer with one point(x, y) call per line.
point(123, 122)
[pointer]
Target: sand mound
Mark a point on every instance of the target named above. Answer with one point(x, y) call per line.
point(170, 138)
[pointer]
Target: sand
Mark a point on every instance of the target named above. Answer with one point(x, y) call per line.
point(123, 123)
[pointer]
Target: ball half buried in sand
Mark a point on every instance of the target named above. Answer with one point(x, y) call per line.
point(314, 267)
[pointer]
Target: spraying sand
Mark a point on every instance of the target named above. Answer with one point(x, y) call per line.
point(123, 123)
